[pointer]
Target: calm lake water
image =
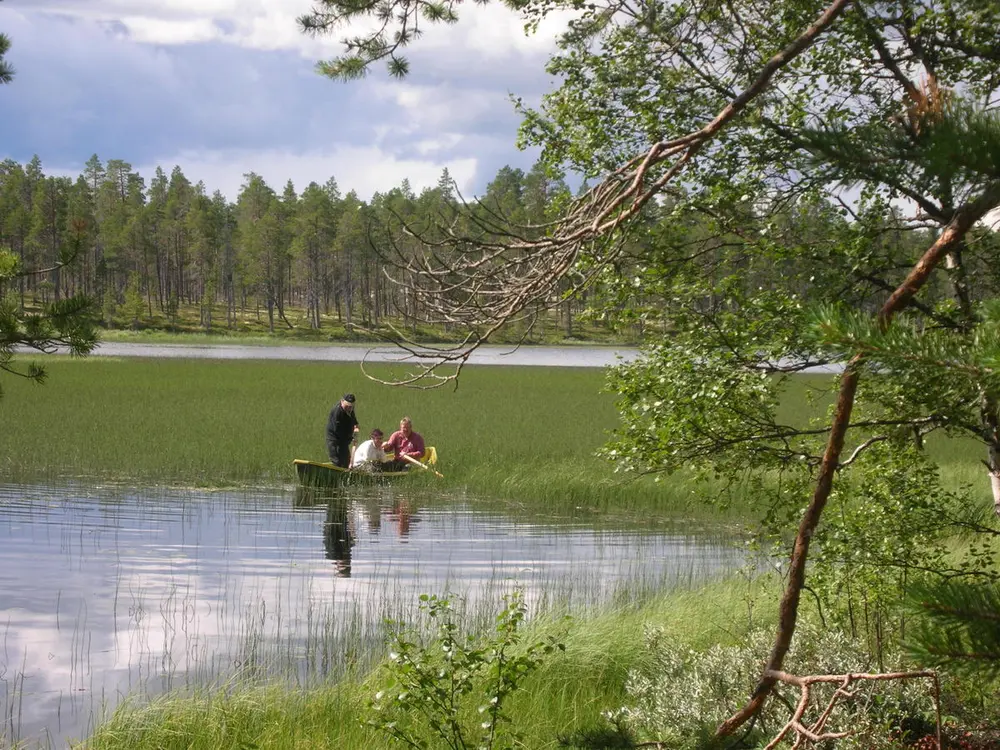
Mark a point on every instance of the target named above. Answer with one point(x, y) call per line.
point(525, 356)
point(539, 356)
point(111, 591)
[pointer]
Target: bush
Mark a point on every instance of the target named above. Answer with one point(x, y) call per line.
point(452, 691)
point(682, 695)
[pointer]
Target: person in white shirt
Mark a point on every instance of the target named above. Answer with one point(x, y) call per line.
point(369, 455)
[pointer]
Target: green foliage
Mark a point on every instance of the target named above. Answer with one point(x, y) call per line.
point(682, 694)
point(431, 688)
point(567, 692)
point(914, 352)
point(251, 266)
point(960, 144)
point(887, 530)
point(6, 69)
point(385, 43)
point(172, 308)
point(109, 305)
point(68, 322)
point(8, 265)
point(134, 304)
point(958, 629)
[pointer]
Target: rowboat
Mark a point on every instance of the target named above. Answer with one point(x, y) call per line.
point(318, 474)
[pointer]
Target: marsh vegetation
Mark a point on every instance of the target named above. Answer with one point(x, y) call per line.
point(182, 591)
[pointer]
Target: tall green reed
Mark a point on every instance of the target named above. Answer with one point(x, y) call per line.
point(523, 435)
point(569, 690)
point(527, 434)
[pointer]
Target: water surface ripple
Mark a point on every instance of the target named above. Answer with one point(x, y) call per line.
point(110, 591)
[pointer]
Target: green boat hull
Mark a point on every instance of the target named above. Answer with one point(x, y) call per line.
point(315, 474)
point(319, 474)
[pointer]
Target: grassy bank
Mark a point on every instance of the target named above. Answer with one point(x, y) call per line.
point(565, 696)
point(187, 324)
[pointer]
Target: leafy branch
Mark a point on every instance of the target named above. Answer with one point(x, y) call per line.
point(396, 25)
point(66, 323)
point(430, 684)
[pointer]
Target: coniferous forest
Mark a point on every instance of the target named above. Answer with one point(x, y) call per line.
point(145, 251)
point(313, 258)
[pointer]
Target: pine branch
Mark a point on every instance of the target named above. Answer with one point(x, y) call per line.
point(848, 331)
point(960, 629)
point(6, 69)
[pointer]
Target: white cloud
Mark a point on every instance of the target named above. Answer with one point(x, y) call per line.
point(444, 142)
point(365, 169)
point(493, 32)
point(490, 32)
point(115, 77)
point(144, 29)
point(441, 107)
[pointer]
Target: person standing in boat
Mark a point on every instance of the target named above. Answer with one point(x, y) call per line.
point(369, 455)
point(341, 428)
point(405, 442)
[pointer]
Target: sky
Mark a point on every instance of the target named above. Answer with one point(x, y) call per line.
point(225, 87)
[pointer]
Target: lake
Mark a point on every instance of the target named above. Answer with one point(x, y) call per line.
point(490, 354)
point(113, 591)
point(531, 356)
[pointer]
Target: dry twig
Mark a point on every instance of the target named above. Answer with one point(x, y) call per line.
point(816, 733)
point(505, 275)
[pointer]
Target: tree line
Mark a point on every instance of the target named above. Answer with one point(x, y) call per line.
point(140, 249)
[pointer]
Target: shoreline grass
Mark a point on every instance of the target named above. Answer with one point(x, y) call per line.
point(567, 694)
point(187, 323)
point(323, 339)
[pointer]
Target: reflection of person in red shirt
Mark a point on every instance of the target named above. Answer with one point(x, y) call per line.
point(405, 442)
point(400, 513)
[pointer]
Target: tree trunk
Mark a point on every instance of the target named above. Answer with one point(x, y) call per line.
point(952, 235)
point(991, 417)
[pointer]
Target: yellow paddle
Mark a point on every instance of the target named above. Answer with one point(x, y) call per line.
point(425, 467)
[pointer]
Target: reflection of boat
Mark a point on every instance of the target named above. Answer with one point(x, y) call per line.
point(317, 474)
point(344, 508)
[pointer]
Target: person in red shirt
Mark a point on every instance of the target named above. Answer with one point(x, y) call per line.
point(404, 442)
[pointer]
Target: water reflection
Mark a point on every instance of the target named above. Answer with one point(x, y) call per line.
point(339, 527)
point(337, 536)
point(107, 591)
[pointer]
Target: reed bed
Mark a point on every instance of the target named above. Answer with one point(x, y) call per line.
point(519, 433)
point(523, 435)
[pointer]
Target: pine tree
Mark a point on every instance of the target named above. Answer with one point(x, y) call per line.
point(6, 69)
point(958, 627)
point(68, 322)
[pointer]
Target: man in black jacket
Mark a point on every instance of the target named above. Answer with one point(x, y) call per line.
point(340, 430)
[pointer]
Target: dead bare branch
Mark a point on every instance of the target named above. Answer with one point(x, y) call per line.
point(486, 274)
point(815, 733)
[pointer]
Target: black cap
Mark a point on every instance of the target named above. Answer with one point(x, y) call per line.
point(348, 397)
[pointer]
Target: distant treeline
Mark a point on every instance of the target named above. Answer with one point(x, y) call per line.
point(148, 250)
